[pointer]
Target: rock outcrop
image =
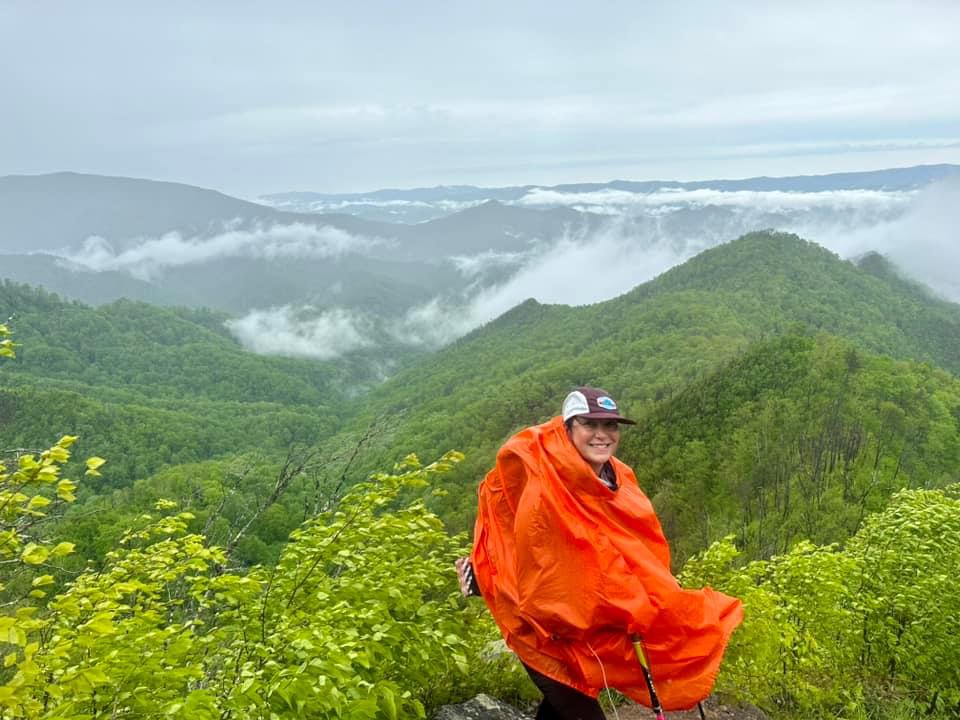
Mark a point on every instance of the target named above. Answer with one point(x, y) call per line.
point(482, 707)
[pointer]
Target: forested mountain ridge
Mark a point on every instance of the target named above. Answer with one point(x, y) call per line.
point(236, 285)
point(757, 286)
point(647, 345)
point(98, 239)
point(151, 386)
point(767, 412)
point(800, 437)
point(60, 210)
point(644, 347)
point(158, 352)
point(813, 286)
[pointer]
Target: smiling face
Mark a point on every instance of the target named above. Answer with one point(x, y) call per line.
point(595, 440)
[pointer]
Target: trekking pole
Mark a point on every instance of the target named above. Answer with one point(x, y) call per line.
point(645, 665)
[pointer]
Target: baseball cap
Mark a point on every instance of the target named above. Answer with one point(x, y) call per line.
point(593, 404)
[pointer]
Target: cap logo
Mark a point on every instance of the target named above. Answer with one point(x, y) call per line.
point(606, 403)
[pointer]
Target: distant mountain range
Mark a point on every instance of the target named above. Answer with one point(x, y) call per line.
point(481, 250)
point(97, 239)
point(421, 204)
point(58, 213)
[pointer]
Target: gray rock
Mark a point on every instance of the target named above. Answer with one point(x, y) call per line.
point(482, 707)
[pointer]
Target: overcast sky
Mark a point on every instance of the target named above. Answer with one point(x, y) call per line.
point(252, 98)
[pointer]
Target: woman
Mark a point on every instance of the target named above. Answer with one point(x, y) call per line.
point(574, 567)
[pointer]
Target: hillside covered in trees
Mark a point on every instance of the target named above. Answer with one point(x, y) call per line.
point(799, 428)
point(648, 346)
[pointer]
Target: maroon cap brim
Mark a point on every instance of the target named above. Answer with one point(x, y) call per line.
point(608, 416)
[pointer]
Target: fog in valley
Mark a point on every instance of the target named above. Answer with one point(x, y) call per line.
point(914, 229)
point(328, 286)
point(147, 258)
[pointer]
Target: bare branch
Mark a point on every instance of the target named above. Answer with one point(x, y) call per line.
point(376, 429)
point(226, 492)
point(293, 467)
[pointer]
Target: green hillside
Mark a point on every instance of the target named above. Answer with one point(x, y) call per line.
point(94, 288)
point(149, 386)
point(799, 438)
point(157, 352)
point(784, 397)
point(647, 345)
point(770, 276)
point(188, 392)
point(141, 438)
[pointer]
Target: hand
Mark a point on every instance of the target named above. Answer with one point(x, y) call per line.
point(465, 576)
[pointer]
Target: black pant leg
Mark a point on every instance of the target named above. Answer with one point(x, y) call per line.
point(562, 702)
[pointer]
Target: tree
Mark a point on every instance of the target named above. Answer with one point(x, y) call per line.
point(360, 618)
point(873, 627)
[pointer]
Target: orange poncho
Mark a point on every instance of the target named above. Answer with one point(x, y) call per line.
point(571, 570)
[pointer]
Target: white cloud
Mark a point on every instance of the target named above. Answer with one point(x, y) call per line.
point(471, 266)
point(869, 201)
point(612, 111)
point(821, 147)
point(324, 206)
point(568, 83)
point(923, 242)
point(151, 255)
point(449, 205)
point(577, 270)
point(435, 323)
point(301, 333)
point(585, 269)
point(916, 230)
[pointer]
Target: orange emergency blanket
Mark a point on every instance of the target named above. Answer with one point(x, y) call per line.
point(571, 570)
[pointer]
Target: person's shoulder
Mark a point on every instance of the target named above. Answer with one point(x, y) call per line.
point(528, 438)
point(518, 444)
point(623, 472)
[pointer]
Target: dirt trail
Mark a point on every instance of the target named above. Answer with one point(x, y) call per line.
point(712, 709)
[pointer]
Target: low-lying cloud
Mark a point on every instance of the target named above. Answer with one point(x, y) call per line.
point(148, 257)
point(577, 270)
point(302, 332)
point(471, 266)
point(876, 202)
point(915, 230)
point(309, 205)
point(923, 242)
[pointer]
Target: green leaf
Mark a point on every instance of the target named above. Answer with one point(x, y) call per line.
point(61, 549)
point(389, 704)
point(93, 466)
point(34, 554)
point(95, 676)
point(38, 501)
point(101, 624)
point(65, 490)
point(58, 453)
